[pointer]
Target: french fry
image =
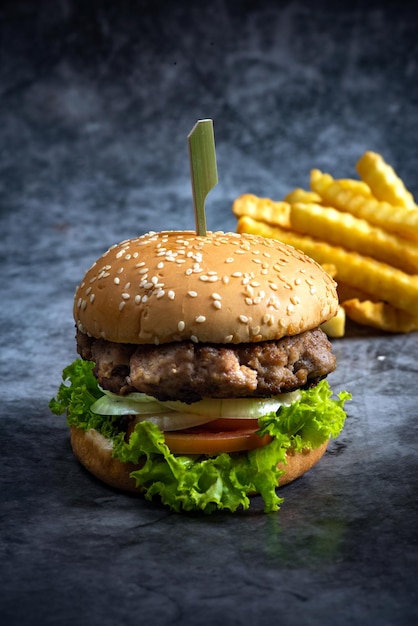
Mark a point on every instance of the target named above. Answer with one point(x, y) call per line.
point(395, 219)
point(263, 209)
point(340, 228)
point(379, 279)
point(381, 315)
point(335, 327)
point(383, 181)
point(302, 195)
point(358, 187)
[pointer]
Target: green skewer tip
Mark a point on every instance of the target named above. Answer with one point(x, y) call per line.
point(203, 169)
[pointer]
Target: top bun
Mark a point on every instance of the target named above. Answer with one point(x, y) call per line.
point(218, 288)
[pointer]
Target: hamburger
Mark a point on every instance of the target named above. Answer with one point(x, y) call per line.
point(201, 376)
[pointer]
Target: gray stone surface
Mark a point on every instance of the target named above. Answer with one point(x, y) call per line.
point(96, 102)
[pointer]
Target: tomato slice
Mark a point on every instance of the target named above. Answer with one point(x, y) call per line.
point(226, 423)
point(203, 440)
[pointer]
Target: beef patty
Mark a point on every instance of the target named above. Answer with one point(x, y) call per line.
point(190, 371)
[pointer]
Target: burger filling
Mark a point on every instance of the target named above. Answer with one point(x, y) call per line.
point(188, 371)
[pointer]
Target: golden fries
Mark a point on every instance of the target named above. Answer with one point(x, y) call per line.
point(262, 208)
point(354, 234)
point(383, 181)
point(363, 232)
point(336, 227)
point(381, 315)
point(396, 219)
point(302, 195)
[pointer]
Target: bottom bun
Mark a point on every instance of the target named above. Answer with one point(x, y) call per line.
point(95, 452)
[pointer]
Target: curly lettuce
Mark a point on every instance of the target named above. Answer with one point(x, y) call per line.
point(201, 482)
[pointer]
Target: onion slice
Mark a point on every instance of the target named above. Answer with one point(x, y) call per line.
point(112, 404)
point(238, 408)
point(175, 420)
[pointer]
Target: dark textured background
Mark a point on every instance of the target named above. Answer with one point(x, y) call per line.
point(96, 102)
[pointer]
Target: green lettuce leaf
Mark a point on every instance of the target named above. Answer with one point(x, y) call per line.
point(205, 483)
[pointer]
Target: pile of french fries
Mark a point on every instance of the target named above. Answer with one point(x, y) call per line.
point(363, 231)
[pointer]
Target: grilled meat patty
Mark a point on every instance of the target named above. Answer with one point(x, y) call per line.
point(190, 371)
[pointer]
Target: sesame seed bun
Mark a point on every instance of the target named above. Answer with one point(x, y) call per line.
point(219, 288)
point(94, 452)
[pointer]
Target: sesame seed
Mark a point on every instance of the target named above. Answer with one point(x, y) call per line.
point(160, 265)
point(200, 319)
point(92, 297)
point(216, 296)
point(248, 301)
point(192, 294)
point(229, 260)
point(243, 319)
point(116, 280)
point(121, 305)
point(160, 293)
point(228, 338)
point(137, 299)
point(217, 304)
point(125, 295)
point(171, 294)
point(194, 339)
point(181, 326)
